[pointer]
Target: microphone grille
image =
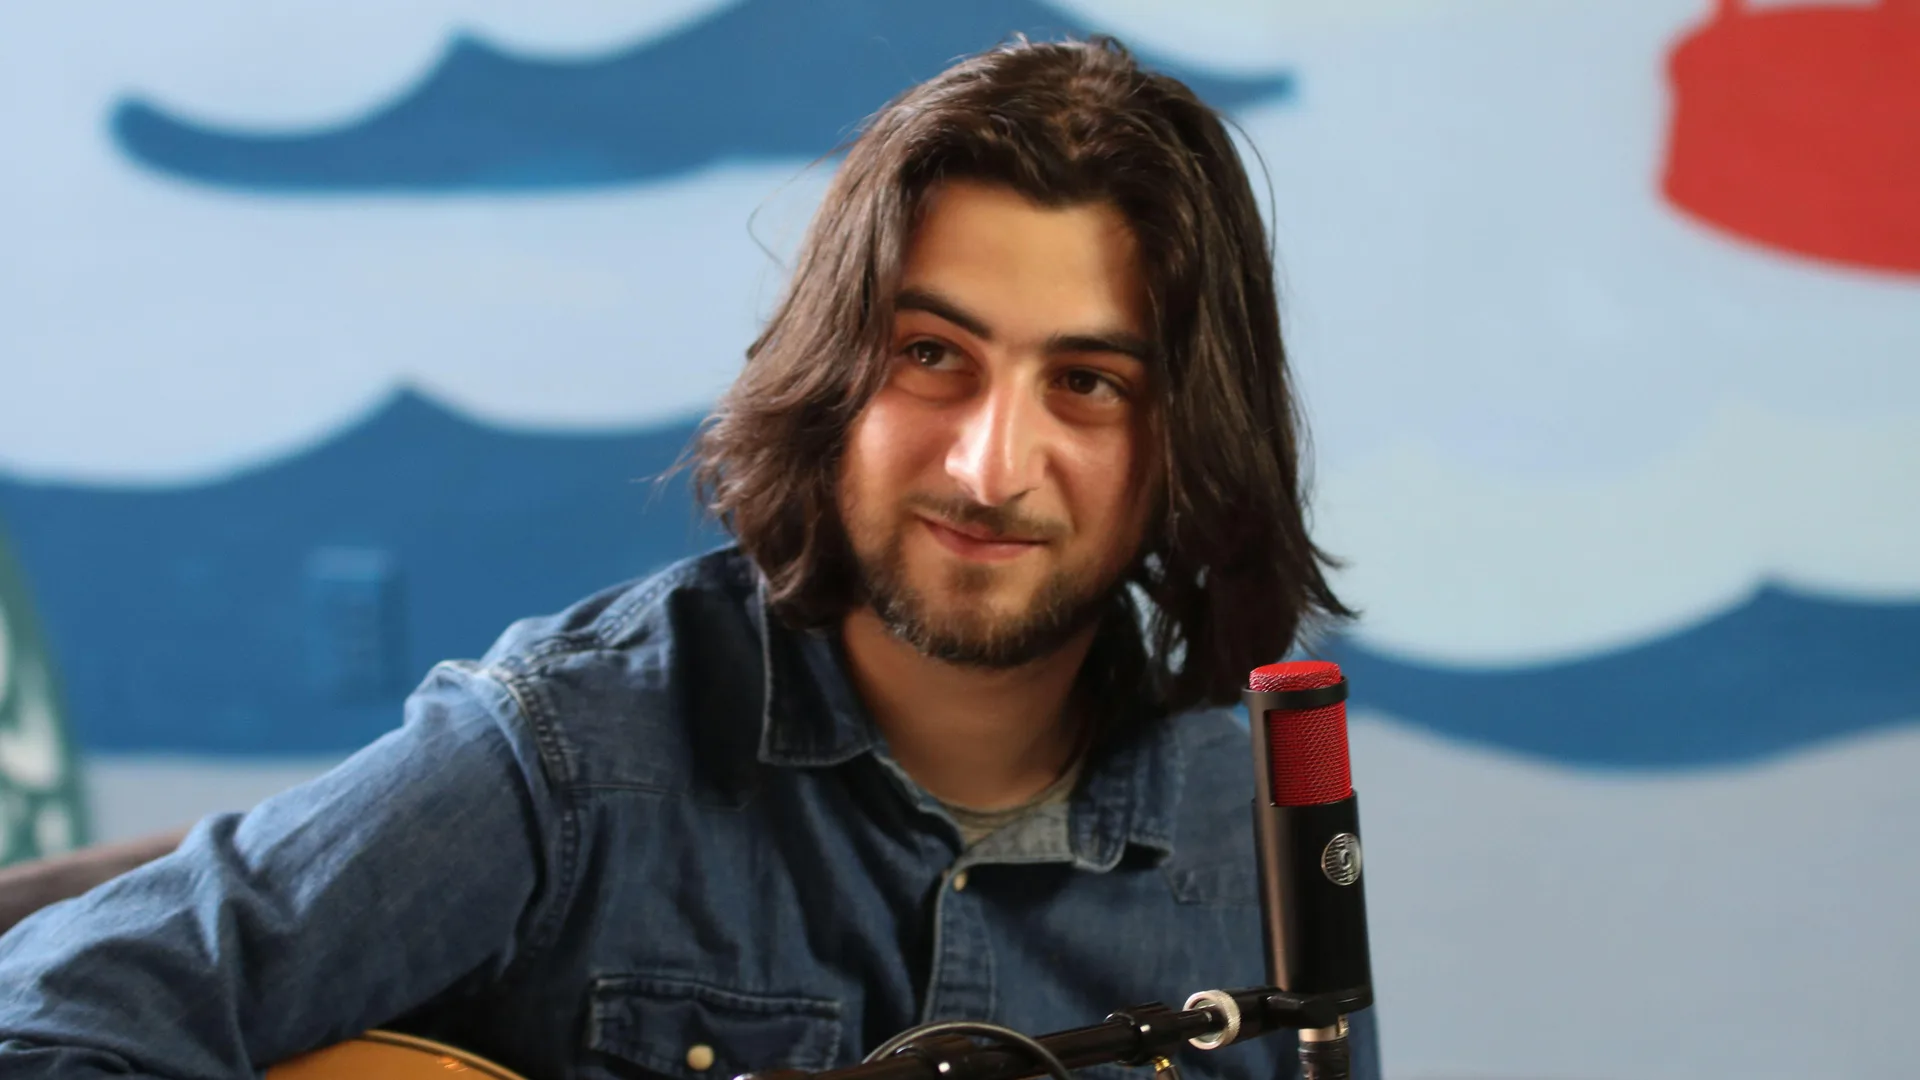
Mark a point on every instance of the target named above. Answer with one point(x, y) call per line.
point(1294, 675)
point(1310, 761)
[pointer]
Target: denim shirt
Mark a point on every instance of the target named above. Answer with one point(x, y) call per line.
point(655, 821)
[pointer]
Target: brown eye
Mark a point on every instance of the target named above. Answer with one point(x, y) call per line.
point(1087, 383)
point(928, 354)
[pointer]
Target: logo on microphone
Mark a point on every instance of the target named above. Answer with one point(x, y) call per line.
point(1341, 859)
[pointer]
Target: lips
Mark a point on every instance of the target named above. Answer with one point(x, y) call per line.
point(975, 544)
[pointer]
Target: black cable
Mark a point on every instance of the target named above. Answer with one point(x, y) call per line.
point(1004, 1035)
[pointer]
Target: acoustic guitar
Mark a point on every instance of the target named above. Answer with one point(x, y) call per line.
point(386, 1055)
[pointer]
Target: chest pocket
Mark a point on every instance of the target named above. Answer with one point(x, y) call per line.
point(692, 1031)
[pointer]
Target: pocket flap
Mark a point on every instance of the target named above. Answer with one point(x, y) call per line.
point(663, 1024)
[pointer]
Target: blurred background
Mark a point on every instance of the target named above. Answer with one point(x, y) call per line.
point(334, 336)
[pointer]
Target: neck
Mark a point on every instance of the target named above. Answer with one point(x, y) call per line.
point(975, 737)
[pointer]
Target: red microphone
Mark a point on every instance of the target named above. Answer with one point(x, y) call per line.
point(1306, 828)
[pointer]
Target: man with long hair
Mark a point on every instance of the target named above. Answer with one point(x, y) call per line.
point(1014, 474)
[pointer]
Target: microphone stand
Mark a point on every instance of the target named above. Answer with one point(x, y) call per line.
point(1139, 1035)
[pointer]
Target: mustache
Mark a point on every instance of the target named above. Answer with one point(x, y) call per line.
point(1003, 522)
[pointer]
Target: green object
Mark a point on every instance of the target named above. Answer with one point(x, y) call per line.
point(41, 807)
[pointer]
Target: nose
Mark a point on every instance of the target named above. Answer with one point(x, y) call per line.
point(999, 453)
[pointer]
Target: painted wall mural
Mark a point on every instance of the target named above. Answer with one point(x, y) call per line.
point(41, 808)
point(289, 609)
point(418, 533)
point(486, 119)
point(334, 338)
point(1795, 127)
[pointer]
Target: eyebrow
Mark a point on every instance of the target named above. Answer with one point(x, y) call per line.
point(1097, 341)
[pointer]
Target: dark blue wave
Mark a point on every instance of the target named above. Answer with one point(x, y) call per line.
point(758, 80)
point(289, 609)
point(1780, 672)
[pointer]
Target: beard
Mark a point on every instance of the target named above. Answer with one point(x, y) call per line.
point(968, 633)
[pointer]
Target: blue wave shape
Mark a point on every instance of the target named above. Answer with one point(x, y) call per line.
point(761, 79)
point(289, 609)
point(1779, 672)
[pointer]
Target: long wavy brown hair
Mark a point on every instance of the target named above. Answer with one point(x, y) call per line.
point(1228, 572)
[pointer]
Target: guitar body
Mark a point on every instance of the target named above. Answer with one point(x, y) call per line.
point(384, 1055)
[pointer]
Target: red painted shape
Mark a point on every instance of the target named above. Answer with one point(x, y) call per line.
point(1799, 128)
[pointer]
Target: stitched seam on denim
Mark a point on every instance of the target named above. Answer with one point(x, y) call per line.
point(1172, 766)
point(751, 1001)
point(627, 787)
point(553, 756)
point(968, 862)
point(623, 616)
point(820, 1017)
point(764, 752)
point(618, 622)
point(932, 999)
point(987, 959)
point(1100, 844)
point(530, 661)
point(779, 744)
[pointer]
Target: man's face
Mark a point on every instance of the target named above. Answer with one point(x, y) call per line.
point(994, 488)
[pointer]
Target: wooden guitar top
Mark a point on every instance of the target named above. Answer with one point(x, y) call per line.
point(385, 1055)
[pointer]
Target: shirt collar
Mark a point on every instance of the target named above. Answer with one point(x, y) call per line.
point(812, 717)
point(1130, 794)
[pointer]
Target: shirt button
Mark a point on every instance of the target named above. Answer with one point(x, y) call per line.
point(699, 1057)
point(960, 881)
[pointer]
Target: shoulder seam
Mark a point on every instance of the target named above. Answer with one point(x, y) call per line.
point(561, 781)
point(617, 624)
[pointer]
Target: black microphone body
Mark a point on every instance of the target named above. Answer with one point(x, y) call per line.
point(1315, 930)
point(1306, 827)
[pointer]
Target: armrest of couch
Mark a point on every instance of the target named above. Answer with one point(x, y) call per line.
point(27, 887)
